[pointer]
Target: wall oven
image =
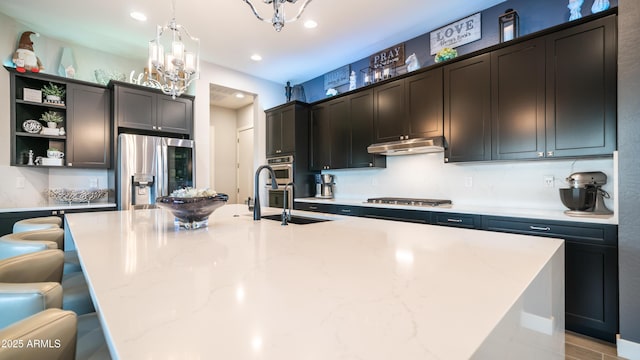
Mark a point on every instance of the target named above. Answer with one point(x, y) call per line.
point(283, 168)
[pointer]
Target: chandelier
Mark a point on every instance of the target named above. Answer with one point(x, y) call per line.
point(278, 20)
point(176, 65)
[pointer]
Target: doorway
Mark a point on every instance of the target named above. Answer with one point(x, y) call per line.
point(231, 142)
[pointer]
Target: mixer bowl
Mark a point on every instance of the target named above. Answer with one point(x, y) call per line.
point(580, 199)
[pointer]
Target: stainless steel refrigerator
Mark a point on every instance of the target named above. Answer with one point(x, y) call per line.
point(151, 166)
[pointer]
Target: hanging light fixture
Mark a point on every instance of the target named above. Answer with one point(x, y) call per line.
point(278, 20)
point(175, 64)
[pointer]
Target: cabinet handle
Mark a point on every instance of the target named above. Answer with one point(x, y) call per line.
point(540, 154)
point(159, 127)
point(69, 164)
point(540, 228)
point(278, 151)
point(370, 164)
point(549, 153)
point(454, 220)
point(313, 208)
point(446, 159)
point(345, 211)
point(153, 127)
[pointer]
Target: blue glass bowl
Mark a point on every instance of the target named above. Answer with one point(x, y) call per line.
point(192, 212)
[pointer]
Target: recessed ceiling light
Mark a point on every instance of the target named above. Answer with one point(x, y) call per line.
point(256, 57)
point(310, 24)
point(240, 95)
point(137, 15)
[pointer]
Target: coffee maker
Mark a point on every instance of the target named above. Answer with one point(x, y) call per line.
point(324, 186)
point(585, 196)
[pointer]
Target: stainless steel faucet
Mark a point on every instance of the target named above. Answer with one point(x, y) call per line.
point(286, 217)
point(256, 195)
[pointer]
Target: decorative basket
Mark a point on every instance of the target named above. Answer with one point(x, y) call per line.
point(76, 196)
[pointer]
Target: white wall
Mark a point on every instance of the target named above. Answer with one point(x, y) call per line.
point(223, 151)
point(497, 184)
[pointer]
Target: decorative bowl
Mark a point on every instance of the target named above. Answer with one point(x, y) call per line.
point(578, 198)
point(32, 126)
point(76, 196)
point(192, 212)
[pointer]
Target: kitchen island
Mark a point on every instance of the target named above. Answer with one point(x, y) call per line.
point(351, 288)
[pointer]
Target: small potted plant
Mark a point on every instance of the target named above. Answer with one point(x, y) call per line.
point(52, 119)
point(53, 93)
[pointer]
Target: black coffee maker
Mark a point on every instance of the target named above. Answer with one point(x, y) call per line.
point(585, 196)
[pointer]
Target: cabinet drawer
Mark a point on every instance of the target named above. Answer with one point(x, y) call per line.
point(457, 220)
point(599, 234)
point(415, 216)
point(324, 208)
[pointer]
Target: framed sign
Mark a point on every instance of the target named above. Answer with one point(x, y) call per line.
point(387, 57)
point(456, 34)
point(336, 77)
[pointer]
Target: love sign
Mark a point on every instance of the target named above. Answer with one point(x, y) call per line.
point(456, 34)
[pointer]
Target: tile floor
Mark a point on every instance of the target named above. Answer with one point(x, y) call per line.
point(580, 347)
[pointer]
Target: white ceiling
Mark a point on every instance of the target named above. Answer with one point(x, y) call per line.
point(348, 30)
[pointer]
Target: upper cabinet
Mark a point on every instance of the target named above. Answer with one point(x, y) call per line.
point(89, 129)
point(84, 135)
point(141, 108)
point(582, 89)
point(287, 126)
point(548, 97)
point(409, 108)
point(341, 130)
point(467, 109)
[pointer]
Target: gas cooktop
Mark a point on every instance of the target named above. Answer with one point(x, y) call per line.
point(408, 201)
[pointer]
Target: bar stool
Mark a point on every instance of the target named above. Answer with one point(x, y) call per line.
point(16, 256)
point(37, 223)
point(71, 260)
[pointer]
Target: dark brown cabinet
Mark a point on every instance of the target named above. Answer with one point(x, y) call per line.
point(86, 141)
point(362, 131)
point(89, 127)
point(467, 109)
point(341, 131)
point(409, 108)
point(330, 135)
point(282, 125)
point(551, 96)
point(148, 110)
point(581, 89)
point(518, 101)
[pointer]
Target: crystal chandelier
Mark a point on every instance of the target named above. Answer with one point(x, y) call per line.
point(175, 64)
point(278, 20)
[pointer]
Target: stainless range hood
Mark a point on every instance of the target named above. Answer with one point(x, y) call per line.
point(409, 146)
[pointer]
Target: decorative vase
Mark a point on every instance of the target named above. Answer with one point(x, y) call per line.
point(574, 8)
point(52, 125)
point(599, 5)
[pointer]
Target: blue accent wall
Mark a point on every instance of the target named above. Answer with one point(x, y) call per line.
point(534, 16)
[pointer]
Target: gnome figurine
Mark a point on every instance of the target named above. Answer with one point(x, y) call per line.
point(24, 57)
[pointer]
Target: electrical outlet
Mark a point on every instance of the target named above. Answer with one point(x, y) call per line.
point(20, 182)
point(468, 181)
point(93, 182)
point(549, 181)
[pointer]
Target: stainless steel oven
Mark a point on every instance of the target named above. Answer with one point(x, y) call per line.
point(283, 168)
point(277, 199)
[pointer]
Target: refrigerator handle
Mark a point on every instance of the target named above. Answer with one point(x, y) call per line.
point(162, 180)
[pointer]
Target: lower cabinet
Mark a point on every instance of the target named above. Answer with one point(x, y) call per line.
point(9, 218)
point(415, 216)
point(591, 270)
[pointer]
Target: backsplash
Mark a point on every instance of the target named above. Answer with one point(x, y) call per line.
point(518, 184)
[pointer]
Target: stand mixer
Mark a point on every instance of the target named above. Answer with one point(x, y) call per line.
point(585, 196)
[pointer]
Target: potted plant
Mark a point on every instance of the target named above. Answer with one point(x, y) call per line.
point(53, 92)
point(52, 118)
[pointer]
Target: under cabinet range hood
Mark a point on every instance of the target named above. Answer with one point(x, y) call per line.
point(409, 146)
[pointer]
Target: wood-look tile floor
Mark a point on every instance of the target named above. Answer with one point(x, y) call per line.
point(580, 347)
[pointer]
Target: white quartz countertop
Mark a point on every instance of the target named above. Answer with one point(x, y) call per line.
point(541, 214)
point(57, 206)
point(353, 288)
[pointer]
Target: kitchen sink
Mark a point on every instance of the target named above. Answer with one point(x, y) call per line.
point(298, 220)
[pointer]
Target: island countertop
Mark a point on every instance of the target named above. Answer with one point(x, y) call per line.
point(352, 288)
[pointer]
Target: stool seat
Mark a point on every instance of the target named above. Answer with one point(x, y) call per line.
point(37, 223)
